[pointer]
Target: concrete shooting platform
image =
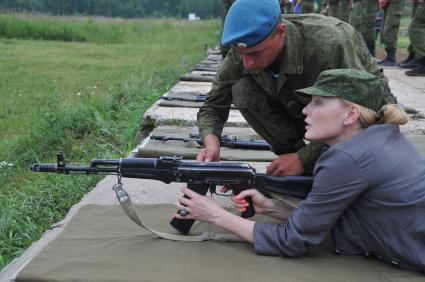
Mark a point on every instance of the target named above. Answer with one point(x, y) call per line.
point(410, 92)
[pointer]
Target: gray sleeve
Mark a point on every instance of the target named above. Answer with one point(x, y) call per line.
point(338, 181)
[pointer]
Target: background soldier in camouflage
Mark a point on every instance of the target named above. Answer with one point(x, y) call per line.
point(306, 5)
point(340, 9)
point(325, 8)
point(417, 40)
point(286, 7)
point(363, 20)
point(410, 61)
point(270, 59)
point(390, 26)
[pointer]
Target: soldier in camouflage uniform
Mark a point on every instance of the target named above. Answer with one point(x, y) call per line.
point(417, 40)
point(286, 7)
point(410, 62)
point(271, 58)
point(306, 5)
point(340, 9)
point(390, 26)
point(325, 8)
point(363, 20)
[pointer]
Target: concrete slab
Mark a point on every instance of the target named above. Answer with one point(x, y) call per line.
point(410, 92)
point(173, 115)
point(214, 57)
point(199, 76)
point(192, 87)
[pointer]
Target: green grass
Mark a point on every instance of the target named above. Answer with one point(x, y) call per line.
point(84, 98)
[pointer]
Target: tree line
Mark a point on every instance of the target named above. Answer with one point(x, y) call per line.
point(118, 8)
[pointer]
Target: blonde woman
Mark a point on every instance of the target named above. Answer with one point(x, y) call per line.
point(369, 185)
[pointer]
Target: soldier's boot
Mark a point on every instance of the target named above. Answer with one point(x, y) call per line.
point(389, 60)
point(409, 63)
point(371, 48)
point(418, 71)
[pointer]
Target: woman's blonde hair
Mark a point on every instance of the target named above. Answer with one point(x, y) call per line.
point(389, 113)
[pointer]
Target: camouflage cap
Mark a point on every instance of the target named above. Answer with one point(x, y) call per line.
point(356, 86)
point(248, 22)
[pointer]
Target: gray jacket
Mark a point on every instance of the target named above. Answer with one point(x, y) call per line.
point(369, 193)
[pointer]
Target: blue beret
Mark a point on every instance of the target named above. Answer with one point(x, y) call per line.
point(250, 21)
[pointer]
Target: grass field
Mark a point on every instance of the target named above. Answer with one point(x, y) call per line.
point(80, 85)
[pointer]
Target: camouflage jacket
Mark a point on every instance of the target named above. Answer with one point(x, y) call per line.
point(313, 43)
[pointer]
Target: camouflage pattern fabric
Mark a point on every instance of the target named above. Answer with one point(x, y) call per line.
point(417, 32)
point(391, 25)
point(271, 106)
point(286, 6)
point(414, 9)
point(363, 19)
point(356, 86)
point(340, 9)
point(307, 6)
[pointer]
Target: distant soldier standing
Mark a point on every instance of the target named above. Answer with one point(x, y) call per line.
point(363, 20)
point(286, 6)
point(306, 5)
point(410, 62)
point(325, 8)
point(340, 9)
point(389, 34)
point(417, 40)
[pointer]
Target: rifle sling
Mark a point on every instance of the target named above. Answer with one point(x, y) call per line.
point(127, 205)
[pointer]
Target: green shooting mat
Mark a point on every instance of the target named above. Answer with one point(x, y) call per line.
point(189, 150)
point(100, 244)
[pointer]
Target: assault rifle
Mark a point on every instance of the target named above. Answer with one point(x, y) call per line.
point(197, 98)
point(225, 141)
point(200, 177)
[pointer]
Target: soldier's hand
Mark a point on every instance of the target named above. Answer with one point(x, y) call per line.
point(208, 155)
point(288, 164)
point(211, 150)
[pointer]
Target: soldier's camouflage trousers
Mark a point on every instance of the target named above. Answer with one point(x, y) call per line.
point(307, 6)
point(363, 19)
point(417, 32)
point(391, 25)
point(340, 9)
point(276, 123)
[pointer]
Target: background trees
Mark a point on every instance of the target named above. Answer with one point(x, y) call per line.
point(119, 8)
